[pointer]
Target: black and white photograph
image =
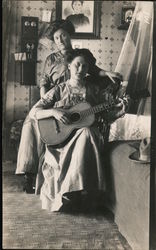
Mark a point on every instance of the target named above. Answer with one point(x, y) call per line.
point(84, 15)
point(78, 125)
point(80, 13)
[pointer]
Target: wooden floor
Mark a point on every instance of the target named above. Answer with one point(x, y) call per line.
point(27, 226)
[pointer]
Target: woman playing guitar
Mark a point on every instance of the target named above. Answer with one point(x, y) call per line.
point(74, 170)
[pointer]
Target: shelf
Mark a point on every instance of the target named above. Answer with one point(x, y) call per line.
point(26, 61)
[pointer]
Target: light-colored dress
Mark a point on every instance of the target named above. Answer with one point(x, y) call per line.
point(31, 149)
point(77, 165)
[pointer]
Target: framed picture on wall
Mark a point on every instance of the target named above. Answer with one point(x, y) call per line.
point(85, 16)
point(126, 16)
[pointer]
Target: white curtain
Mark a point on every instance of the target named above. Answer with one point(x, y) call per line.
point(135, 60)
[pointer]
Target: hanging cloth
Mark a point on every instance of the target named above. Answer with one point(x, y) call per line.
point(135, 60)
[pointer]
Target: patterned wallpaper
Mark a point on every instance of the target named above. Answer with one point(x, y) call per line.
point(106, 50)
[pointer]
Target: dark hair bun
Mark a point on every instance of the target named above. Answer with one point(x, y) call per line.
point(90, 59)
point(59, 24)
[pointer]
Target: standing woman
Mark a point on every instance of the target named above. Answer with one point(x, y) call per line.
point(55, 68)
point(31, 148)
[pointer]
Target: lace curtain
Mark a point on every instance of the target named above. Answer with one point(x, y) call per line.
point(135, 64)
point(135, 60)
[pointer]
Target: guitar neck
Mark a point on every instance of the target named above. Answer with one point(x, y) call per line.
point(98, 108)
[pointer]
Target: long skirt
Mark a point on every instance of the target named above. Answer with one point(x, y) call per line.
point(75, 167)
point(31, 152)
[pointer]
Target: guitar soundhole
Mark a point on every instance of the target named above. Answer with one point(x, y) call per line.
point(74, 117)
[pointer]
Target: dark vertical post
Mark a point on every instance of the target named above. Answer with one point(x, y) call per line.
point(152, 240)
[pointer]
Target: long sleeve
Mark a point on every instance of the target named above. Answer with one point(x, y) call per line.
point(46, 79)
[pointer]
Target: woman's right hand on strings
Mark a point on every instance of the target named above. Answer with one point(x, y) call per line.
point(60, 116)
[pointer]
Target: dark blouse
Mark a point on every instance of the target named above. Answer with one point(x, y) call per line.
point(78, 20)
point(55, 70)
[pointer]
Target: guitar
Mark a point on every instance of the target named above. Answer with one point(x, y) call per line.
point(53, 132)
